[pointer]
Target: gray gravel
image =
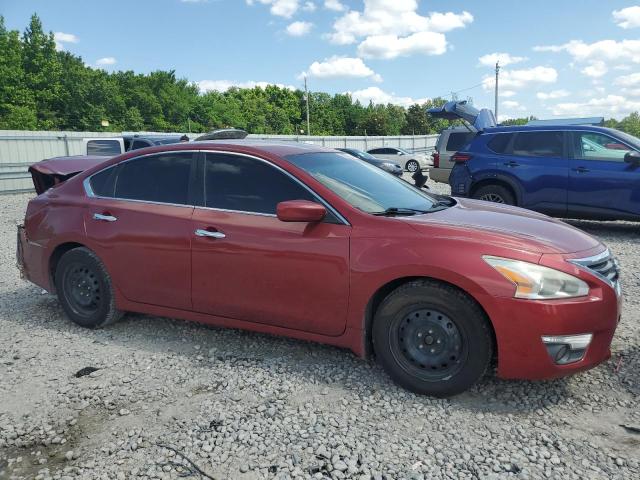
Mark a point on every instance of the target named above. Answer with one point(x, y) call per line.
point(170, 397)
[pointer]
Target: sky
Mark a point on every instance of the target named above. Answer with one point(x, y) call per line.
point(559, 58)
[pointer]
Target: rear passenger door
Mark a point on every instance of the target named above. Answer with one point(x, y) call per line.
point(538, 162)
point(600, 182)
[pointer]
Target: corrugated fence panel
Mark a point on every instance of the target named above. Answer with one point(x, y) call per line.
point(19, 148)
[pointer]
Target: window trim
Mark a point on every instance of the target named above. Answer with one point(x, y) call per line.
point(196, 186)
point(202, 180)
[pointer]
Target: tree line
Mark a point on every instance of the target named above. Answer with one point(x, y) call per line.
point(42, 88)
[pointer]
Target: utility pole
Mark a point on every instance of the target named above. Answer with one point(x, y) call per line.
point(496, 104)
point(306, 97)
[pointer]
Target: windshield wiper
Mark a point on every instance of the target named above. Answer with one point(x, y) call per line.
point(399, 211)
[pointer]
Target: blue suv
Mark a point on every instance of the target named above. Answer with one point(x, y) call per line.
point(564, 171)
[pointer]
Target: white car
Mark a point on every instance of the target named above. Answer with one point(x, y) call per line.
point(409, 161)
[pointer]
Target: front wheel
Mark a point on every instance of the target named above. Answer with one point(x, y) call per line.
point(84, 289)
point(412, 166)
point(432, 339)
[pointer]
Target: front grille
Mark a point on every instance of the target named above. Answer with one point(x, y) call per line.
point(603, 265)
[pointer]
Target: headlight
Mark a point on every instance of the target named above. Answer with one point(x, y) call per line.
point(388, 166)
point(536, 282)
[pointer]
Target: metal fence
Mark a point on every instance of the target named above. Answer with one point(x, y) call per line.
point(19, 148)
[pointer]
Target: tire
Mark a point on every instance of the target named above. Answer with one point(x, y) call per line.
point(84, 289)
point(495, 193)
point(453, 330)
point(412, 166)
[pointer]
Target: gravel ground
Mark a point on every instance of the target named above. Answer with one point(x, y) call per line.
point(171, 398)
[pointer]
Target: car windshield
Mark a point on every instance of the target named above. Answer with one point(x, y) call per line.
point(364, 186)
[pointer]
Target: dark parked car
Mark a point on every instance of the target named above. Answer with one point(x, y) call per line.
point(385, 165)
point(565, 171)
point(298, 240)
point(135, 142)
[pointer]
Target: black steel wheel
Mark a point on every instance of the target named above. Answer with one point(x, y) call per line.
point(432, 338)
point(84, 289)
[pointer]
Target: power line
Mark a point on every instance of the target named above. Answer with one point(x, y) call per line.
point(459, 91)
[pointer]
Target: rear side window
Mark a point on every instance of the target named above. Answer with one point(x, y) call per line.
point(458, 140)
point(538, 144)
point(159, 178)
point(107, 148)
point(383, 151)
point(102, 183)
point(139, 144)
point(500, 142)
point(247, 185)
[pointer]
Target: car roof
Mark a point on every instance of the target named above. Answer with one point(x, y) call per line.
point(278, 148)
point(533, 128)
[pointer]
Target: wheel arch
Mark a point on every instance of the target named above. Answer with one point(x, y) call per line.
point(382, 292)
point(497, 181)
point(55, 257)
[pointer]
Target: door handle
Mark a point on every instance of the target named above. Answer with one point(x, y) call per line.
point(581, 170)
point(512, 164)
point(207, 233)
point(104, 218)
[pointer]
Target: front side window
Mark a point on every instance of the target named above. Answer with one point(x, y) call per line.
point(596, 146)
point(538, 144)
point(364, 186)
point(160, 178)
point(107, 148)
point(243, 184)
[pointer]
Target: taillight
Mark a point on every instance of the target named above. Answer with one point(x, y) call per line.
point(436, 159)
point(461, 157)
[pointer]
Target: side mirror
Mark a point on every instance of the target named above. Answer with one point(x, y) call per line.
point(300, 211)
point(632, 157)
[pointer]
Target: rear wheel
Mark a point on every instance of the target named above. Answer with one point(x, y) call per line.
point(412, 166)
point(432, 338)
point(84, 289)
point(495, 193)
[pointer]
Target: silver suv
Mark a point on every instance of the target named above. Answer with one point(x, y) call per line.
point(449, 142)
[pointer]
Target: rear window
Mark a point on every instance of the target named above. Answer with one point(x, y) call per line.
point(500, 142)
point(538, 144)
point(107, 148)
point(458, 140)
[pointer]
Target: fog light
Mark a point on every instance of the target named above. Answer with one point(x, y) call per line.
point(564, 349)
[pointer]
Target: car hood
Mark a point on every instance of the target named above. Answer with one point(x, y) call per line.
point(508, 226)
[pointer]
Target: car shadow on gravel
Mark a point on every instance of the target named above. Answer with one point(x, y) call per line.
point(311, 363)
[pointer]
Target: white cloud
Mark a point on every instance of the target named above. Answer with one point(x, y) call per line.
point(598, 56)
point(627, 17)
point(377, 95)
point(299, 29)
point(632, 80)
point(398, 23)
point(610, 105)
point(516, 79)
point(106, 61)
point(345, 67)
point(507, 93)
point(61, 38)
point(552, 95)
point(513, 105)
point(595, 69)
point(335, 5)
point(280, 8)
point(505, 59)
point(391, 46)
point(224, 85)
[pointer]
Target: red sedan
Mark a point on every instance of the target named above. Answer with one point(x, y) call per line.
point(314, 244)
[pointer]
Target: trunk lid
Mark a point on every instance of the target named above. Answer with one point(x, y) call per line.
point(52, 171)
point(478, 119)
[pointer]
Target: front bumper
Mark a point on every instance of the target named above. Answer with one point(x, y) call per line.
point(520, 326)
